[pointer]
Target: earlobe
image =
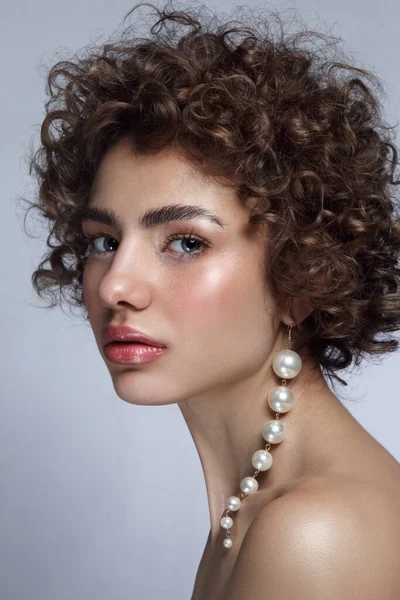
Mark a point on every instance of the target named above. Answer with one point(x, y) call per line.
point(299, 309)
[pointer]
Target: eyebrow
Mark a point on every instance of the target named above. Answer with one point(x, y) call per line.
point(152, 217)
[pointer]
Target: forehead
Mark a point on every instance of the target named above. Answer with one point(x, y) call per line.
point(165, 170)
point(166, 177)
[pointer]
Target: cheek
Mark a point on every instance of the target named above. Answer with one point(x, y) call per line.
point(225, 299)
point(223, 328)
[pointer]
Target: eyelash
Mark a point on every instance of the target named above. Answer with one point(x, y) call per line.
point(89, 239)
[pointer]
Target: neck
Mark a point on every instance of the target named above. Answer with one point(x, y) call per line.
point(226, 428)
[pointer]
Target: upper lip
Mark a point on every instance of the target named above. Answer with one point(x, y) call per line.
point(124, 333)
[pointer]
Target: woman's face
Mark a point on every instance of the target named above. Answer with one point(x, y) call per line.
point(205, 299)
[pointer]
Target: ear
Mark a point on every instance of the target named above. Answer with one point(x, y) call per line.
point(298, 309)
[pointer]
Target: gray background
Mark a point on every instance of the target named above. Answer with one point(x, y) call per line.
point(92, 504)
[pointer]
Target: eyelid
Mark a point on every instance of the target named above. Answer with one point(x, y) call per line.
point(181, 227)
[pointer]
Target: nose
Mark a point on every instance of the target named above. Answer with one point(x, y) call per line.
point(127, 280)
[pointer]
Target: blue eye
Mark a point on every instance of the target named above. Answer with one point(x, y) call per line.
point(188, 238)
point(92, 238)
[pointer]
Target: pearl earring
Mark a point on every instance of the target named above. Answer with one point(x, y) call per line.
point(286, 365)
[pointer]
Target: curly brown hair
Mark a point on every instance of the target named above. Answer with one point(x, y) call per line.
point(295, 128)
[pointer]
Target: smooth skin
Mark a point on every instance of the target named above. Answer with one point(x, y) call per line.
point(325, 522)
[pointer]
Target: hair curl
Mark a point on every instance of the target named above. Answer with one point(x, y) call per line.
point(299, 131)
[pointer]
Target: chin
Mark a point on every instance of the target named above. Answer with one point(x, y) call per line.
point(141, 393)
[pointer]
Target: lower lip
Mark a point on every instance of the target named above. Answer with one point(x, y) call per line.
point(126, 354)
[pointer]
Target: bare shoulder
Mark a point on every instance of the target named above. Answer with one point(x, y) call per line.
point(322, 542)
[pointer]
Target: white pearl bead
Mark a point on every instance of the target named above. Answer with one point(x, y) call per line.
point(226, 522)
point(287, 364)
point(273, 431)
point(227, 543)
point(262, 460)
point(281, 399)
point(249, 485)
point(233, 503)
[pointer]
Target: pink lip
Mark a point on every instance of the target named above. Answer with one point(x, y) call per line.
point(113, 333)
point(131, 353)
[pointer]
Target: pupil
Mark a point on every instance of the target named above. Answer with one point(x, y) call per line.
point(109, 241)
point(190, 241)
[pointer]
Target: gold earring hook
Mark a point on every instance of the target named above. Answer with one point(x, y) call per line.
point(290, 327)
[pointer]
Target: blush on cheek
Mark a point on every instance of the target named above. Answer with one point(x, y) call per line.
point(209, 298)
point(222, 304)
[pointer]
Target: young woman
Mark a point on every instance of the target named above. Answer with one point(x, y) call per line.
point(228, 193)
